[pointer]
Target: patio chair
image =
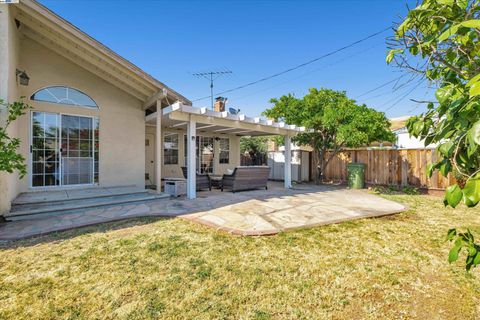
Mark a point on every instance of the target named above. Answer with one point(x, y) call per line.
point(246, 178)
point(202, 180)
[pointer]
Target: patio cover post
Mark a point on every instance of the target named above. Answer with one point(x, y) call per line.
point(158, 148)
point(191, 157)
point(288, 162)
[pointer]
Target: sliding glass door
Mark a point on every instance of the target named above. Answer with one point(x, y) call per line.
point(203, 152)
point(45, 149)
point(64, 150)
point(77, 150)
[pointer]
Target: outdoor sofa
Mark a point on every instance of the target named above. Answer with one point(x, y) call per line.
point(246, 178)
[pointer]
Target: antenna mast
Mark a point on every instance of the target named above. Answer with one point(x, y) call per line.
point(211, 76)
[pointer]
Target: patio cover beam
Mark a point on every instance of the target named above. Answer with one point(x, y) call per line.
point(181, 124)
point(180, 112)
point(205, 127)
point(242, 131)
point(224, 129)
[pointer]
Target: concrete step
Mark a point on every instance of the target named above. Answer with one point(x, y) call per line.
point(65, 202)
point(56, 196)
point(42, 210)
point(47, 205)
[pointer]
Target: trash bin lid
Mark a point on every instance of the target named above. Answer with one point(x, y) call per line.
point(356, 165)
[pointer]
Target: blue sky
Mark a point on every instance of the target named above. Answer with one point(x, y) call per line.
point(254, 39)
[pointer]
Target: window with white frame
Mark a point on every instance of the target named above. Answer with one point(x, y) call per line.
point(224, 150)
point(170, 148)
point(64, 95)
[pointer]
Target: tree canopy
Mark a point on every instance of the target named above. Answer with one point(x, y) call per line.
point(253, 145)
point(442, 38)
point(337, 122)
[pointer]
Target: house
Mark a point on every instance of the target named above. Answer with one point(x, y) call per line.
point(403, 139)
point(99, 120)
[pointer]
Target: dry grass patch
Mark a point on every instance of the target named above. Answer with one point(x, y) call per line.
point(392, 267)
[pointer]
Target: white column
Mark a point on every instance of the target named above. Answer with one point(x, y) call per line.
point(6, 49)
point(158, 148)
point(191, 163)
point(288, 162)
point(5, 75)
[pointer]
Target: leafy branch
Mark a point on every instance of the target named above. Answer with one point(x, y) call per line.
point(464, 241)
point(10, 159)
point(442, 36)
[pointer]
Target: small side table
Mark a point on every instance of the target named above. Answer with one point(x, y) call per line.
point(216, 180)
point(175, 186)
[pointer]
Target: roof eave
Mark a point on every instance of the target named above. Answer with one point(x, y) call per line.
point(101, 50)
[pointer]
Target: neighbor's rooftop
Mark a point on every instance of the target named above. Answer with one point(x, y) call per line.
point(398, 123)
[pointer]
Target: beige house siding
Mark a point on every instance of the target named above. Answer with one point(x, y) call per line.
point(122, 120)
point(176, 170)
point(9, 48)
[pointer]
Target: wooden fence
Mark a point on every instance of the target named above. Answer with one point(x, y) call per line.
point(405, 167)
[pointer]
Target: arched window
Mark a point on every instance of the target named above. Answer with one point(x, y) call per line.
point(64, 95)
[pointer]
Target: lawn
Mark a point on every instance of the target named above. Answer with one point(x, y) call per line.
point(385, 268)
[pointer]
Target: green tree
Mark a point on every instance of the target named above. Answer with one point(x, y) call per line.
point(335, 121)
point(439, 40)
point(256, 147)
point(10, 159)
point(253, 145)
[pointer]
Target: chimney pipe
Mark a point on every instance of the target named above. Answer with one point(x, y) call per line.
point(219, 105)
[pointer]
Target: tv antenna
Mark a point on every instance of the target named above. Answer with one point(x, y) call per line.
point(212, 76)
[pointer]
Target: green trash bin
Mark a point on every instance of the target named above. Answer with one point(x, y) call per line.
point(356, 175)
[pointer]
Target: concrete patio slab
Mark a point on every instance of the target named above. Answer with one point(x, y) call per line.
point(256, 212)
point(297, 208)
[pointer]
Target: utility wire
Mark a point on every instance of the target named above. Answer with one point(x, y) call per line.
point(298, 66)
point(419, 104)
point(395, 88)
point(391, 100)
point(303, 75)
point(402, 97)
point(379, 87)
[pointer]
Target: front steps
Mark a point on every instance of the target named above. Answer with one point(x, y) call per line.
point(38, 205)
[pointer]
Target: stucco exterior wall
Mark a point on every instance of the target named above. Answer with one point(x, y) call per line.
point(122, 121)
point(176, 170)
point(9, 45)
